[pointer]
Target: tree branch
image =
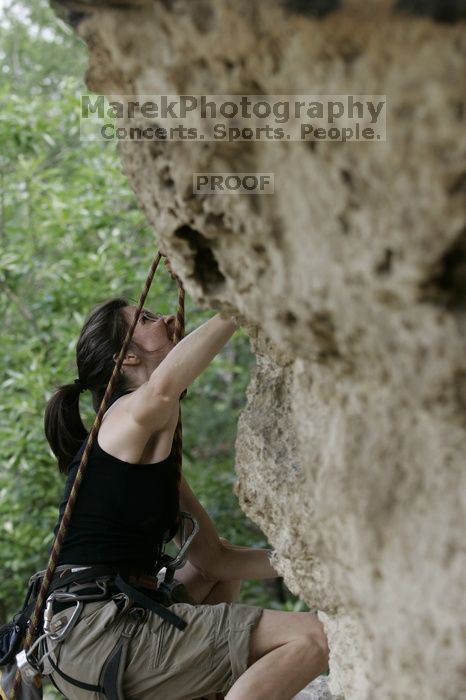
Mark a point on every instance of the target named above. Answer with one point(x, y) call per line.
point(22, 308)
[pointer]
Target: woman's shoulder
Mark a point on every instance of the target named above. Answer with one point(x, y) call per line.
point(124, 439)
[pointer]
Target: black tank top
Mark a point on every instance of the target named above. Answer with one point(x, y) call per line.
point(122, 511)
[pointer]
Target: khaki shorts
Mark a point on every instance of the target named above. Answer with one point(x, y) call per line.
point(163, 663)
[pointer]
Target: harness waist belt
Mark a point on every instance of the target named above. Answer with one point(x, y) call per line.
point(155, 600)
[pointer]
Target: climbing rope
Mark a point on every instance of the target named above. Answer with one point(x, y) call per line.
point(177, 336)
point(177, 451)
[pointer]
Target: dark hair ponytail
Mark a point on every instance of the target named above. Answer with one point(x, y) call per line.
point(102, 336)
point(64, 428)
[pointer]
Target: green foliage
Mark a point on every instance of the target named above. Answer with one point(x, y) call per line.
point(72, 235)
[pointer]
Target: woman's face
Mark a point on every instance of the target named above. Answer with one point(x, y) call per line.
point(153, 332)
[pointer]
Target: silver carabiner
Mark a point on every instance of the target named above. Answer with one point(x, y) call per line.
point(180, 557)
point(27, 664)
point(48, 614)
point(59, 636)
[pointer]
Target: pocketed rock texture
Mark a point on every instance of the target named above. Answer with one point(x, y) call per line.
point(350, 281)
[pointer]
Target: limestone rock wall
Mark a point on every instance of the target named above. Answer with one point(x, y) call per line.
point(350, 280)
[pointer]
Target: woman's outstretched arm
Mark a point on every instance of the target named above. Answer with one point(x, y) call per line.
point(153, 404)
point(190, 357)
point(215, 558)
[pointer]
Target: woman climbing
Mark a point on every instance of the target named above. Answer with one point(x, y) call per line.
point(129, 501)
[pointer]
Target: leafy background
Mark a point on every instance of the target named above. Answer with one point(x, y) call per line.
point(72, 235)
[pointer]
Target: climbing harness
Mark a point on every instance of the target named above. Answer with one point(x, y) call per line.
point(59, 588)
point(73, 586)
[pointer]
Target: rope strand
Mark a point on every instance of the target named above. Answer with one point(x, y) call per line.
point(177, 336)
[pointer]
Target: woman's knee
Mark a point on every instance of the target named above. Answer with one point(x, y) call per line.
point(315, 650)
point(223, 592)
point(316, 640)
point(318, 645)
point(321, 638)
point(276, 627)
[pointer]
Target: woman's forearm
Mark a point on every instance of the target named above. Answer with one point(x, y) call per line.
point(215, 557)
point(192, 355)
point(234, 563)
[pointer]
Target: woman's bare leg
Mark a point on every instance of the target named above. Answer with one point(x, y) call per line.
point(207, 593)
point(223, 592)
point(204, 591)
point(196, 585)
point(287, 651)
